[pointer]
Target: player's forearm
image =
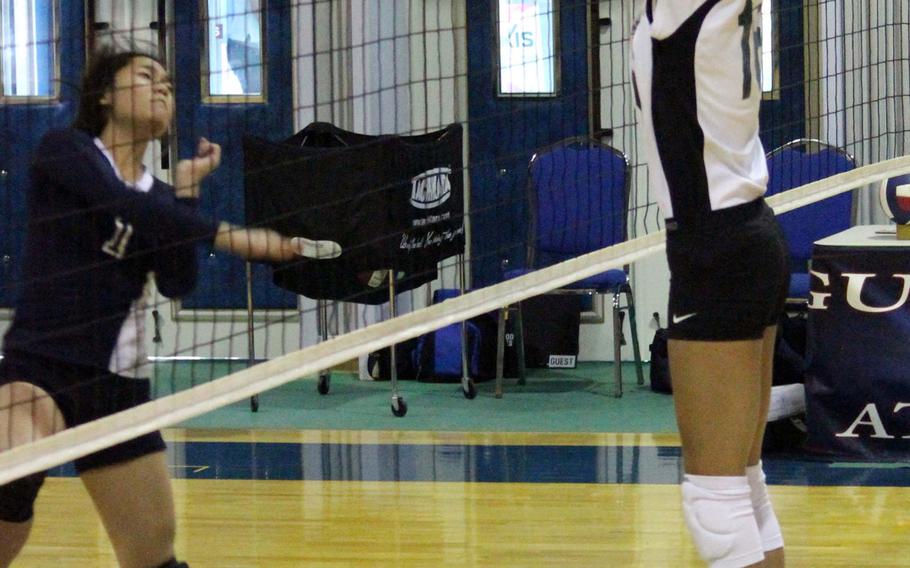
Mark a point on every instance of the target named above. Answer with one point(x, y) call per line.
point(185, 186)
point(186, 190)
point(253, 244)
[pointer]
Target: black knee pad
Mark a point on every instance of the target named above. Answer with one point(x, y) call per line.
point(17, 498)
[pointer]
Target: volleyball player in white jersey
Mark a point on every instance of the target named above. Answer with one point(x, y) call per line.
point(696, 75)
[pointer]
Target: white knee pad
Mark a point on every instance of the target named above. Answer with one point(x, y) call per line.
point(718, 512)
point(768, 527)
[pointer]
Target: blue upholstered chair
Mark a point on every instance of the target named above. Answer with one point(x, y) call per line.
point(797, 163)
point(578, 194)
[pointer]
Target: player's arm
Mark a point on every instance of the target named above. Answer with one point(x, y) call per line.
point(251, 244)
point(270, 246)
point(175, 264)
point(69, 159)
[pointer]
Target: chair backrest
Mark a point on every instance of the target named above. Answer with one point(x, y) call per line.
point(800, 162)
point(578, 193)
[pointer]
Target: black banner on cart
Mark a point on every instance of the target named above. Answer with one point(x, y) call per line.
point(858, 375)
point(392, 202)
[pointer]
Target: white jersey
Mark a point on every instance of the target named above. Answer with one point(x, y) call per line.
point(696, 75)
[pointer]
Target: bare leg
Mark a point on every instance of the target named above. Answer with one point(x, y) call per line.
point(27, 413)
point(767, 371)
point(717, 394)
point(12, 539)
point(773, 558)
point(136, 506)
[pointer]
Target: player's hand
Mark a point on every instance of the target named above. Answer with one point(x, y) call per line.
point(320, 250)
point(290, 248)
point(270, 246)
point(190, 172)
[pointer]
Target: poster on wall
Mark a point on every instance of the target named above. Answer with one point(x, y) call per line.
point(527, 48)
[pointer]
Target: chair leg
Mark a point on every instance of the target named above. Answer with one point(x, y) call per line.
point(520, 344)
point(633, 329)
point(500, 348)
point(617, 356)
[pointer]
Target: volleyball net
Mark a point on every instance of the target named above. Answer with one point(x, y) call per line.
point(413, 134)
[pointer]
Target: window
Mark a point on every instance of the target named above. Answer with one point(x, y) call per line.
point(234, 44)
point(28, 40)
point(527, 48)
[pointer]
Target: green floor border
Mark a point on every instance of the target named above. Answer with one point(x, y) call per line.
point(566, 400)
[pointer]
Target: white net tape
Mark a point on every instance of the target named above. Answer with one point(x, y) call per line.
point(88, 438)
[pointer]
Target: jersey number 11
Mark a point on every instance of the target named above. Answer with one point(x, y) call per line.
point(751, 48)
point(116, 245)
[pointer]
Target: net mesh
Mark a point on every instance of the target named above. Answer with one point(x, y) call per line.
point(404, 130)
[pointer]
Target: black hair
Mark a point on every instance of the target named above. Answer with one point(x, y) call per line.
point(92, 116)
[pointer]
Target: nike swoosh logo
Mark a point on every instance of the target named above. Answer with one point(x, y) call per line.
point(680, 319)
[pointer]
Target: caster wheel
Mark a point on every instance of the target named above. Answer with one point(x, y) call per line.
point(254, 404)
point(399, 408)
point(323, 385)
point(469, 390)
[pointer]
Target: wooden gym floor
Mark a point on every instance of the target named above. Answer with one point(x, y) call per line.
point(338, 498)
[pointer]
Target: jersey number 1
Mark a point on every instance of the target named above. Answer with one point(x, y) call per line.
point(116, 245)
point(750, 47)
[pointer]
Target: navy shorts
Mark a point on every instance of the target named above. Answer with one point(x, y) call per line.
point(729, 277)
point(84, 394)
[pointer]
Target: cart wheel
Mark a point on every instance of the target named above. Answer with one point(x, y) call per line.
point(469, 389)
point(254, 403)
point(323, 385)
point(399, 408)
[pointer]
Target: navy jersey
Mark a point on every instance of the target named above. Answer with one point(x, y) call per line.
point(696, 76)
point(91, 242)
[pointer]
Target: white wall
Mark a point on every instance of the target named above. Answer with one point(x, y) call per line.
point(865, 84)
point(129, 23)
point(650, 276)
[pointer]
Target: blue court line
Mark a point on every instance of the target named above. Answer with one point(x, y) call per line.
point(479, 463)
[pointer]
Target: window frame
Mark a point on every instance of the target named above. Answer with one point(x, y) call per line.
point(557, 59)
point(55, 66)
point(205, 93)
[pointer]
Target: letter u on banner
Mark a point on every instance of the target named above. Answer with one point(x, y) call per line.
point(855, 283)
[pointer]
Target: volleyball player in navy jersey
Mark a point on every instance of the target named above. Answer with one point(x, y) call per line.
point(98, 224)
point(697, 84)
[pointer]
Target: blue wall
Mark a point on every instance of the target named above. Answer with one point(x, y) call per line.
point(504, 132)
point(21, 127)
point(784, 119)
point(222, 278)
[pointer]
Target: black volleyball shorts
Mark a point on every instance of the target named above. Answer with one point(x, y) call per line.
point(728, 278)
